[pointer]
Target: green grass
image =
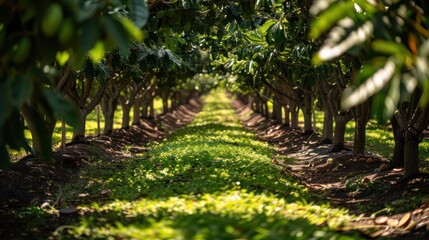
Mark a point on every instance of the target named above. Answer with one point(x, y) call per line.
point(209, 180)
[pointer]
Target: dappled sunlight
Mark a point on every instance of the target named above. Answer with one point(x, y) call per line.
point(209, 180)
point(225, 215)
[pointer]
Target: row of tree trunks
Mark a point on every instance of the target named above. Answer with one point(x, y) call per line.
point(408, 124)
point(110, 101)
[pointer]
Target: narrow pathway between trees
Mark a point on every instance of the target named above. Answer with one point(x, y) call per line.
point(209, 180)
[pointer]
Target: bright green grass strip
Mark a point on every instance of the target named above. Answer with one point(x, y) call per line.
point(209, 180)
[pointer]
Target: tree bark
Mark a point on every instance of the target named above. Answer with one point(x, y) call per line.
point(294, 110)
point(126, 117)
point(328, 121)
point(98, 120)
point(84, 107)
point(398, 150)
point(151, 108)
point(307, 111)
point(164, 97)
point(287, 115)
point(63, 134)
point(108, 105)
point(328, 128)
point(41, 130)
point(411, 152)
point(339, 133)
point(361, 120)
point(79, 131)
point(137, 111)
point(277, 111)
point(266, 109)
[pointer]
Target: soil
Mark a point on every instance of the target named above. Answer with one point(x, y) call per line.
point(363, 184)
point(34, 182)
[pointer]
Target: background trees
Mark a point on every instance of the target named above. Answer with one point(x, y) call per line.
point(388, 40)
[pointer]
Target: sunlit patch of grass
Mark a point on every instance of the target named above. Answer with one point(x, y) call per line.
point(209, 180)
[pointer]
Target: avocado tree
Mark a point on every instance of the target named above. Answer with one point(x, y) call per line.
point(391, 38)
point(36, 35)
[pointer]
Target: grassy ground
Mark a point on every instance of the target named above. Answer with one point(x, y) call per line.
point(209, 180)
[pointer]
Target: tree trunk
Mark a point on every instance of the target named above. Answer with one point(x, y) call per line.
point(328, 128)
point(63, 134)
point(339, 133)
point(164, 98)
point(152, 109)
point(294, 116)
point(41, 131)
point(287, 116)
point(277, 111)
point(411, 152)
point(98, 120)
point(266, 110)
point(175, 101)
point(137, 111)
point(145, 109)
point(328, 121)
point(359, 138)
point(126, 117)
point(308, 105)
point(79, 131)
point(108, 106)
point(84, 107)
point(398, 150)
point(361, 120)
point(313, 112)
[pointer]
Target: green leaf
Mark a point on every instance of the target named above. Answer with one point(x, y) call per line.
point(87, 11)
point(88, 69)
point(62, 57)
point(62, 108)
point(139, 12)
point(174, 58)
point(104, 72)
point(391, 48)
point(14, 130)
point(254, 37)
point(278, 36)
point(338, 43)
point(97, 52)
point(392, 97)
point(134, 32)
point(264, 28)
point(187, 4)
point(40, 134)
point(22, 89)
point(370, 87)
point(89, 36)
point(330, 17)
point(117, 32)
